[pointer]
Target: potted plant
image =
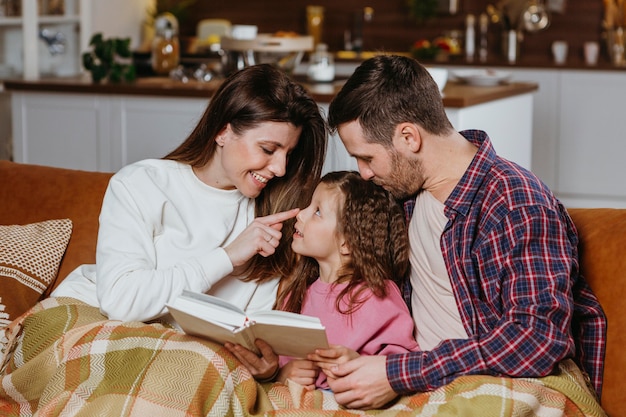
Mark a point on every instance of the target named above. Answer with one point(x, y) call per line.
point(109, 59)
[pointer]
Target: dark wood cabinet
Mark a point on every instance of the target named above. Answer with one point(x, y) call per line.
point(392, 29)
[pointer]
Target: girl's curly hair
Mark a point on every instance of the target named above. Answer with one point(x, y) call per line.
point(373, 225)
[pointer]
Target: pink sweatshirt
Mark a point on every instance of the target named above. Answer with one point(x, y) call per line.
point(379, 327)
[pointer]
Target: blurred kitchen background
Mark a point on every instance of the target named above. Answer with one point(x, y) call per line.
point(391, 27)
point(577, 125)
point(63, 27)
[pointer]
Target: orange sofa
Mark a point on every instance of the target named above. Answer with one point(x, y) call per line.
point(30, 193)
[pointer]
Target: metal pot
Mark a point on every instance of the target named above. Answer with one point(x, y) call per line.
point(535, 17)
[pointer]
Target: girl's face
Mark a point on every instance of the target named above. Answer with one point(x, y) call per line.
point(316, 234)
point(249, 161)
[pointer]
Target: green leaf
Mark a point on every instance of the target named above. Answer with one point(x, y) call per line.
point(129, 73)
point(109, 59)
point(88, 61)
point(122, 46)
point(116, 73)
point(98, 73)
point(96, 39)
point(108, 51)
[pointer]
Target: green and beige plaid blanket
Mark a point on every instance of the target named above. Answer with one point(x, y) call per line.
point(68, 360)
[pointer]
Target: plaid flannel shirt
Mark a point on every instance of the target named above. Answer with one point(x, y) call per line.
point(510, 249)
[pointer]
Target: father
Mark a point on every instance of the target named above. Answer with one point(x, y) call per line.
point(495, 287)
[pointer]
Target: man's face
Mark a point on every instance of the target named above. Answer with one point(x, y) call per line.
point(386, 167)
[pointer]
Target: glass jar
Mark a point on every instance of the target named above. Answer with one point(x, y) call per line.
point(165, 52)
point(321, 65)
point(165, 45)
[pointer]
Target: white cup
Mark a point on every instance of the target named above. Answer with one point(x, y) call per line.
point(559, 51)
point(245, 32)
point(591, 50)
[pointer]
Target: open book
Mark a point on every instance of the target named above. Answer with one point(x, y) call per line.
point(213, 318)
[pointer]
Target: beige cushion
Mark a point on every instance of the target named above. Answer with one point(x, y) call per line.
point(29, 260)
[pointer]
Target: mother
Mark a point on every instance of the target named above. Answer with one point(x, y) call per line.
point(196, 219)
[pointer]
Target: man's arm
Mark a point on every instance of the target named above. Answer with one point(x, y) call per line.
point(513, 285)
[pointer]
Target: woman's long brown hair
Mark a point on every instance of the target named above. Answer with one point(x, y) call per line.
point(373, 225)
point(247, 98)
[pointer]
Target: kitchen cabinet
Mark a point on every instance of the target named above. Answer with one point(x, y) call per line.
point(74, 123)
point(590, 168)
point(578, 139)
point(23, 52)
point(99, 133)
point(510, 132)
point(576, 126)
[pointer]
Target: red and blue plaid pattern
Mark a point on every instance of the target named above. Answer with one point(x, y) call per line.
point(511, 253)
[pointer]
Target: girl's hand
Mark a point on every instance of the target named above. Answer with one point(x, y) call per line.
point(262, 236)
point(302, 371)
point(326, 359)
point(262, 367)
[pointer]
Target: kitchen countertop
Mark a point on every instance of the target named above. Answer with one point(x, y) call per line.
point(573, 62)
point(455, 94)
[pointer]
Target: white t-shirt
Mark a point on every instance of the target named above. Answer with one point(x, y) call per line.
point(162, 231)
point(434, 307)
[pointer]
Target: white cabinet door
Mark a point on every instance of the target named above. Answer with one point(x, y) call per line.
point(337, 157)
point(508, 122)
point(98, 133)
point(150, 127)
point(58, 130)
point(545, 122)
point(592, 141)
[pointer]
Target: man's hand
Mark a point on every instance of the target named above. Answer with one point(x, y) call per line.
point(362, 383)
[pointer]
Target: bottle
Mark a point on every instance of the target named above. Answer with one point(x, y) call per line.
point(321, 65)
point(470, 37)
point(165, 46)
point(484, 27)
point(315, 22)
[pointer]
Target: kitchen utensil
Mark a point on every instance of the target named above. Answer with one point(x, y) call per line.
point(535, 17)
point(285, 52)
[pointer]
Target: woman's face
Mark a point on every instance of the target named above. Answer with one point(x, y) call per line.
point(316, 234)
point(249, 161)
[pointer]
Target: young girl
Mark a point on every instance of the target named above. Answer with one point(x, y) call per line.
point(353, 242)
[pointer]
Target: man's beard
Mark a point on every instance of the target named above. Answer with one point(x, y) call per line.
point(406, 177)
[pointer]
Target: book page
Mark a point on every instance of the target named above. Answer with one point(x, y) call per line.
point(289, 334)
point(290, 341)
point(208, 307)
point(285, 318)
point(214, 331)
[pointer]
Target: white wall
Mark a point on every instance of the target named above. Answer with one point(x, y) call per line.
point(120, 18)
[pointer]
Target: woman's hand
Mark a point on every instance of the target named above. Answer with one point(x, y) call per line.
point(262, 236)
point(302, 371)
point(261, 367)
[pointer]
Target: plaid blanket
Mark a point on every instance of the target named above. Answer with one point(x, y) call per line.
point(66, 359)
